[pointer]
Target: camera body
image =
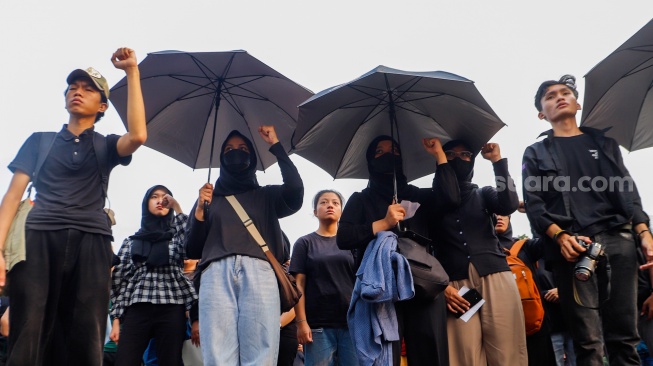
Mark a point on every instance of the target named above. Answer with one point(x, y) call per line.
point(588, 260)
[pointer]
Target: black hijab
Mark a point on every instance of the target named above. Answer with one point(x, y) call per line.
point(234, 182)
point(150, 242)
point(464, 169)
point(505, 239)
point(380, 182)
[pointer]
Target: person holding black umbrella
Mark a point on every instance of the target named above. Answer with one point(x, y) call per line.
point(239, 298)
point(582, 201)
point(372, 211)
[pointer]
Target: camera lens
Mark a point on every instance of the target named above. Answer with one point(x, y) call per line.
point(582, 274)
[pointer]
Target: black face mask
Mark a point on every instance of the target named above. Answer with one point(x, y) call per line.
point(384, 164)
point(463, 169)
point(236, 160)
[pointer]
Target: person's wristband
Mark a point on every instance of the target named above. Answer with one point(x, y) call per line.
point(299, 321)
point(558, 233)
point(639, 234)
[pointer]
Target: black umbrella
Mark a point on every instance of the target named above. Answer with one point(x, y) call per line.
point(336, 125)
point(618, 92)
point(192, 99)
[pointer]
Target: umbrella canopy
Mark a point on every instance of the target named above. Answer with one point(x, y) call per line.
point(336, 125)
point(193, 100)
point(618, 92)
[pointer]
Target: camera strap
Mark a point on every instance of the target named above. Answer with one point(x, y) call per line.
point(602, 290)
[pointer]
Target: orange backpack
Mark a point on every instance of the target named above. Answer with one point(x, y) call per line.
point(528, 291)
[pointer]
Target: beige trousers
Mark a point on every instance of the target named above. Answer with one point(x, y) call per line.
point(495, 335)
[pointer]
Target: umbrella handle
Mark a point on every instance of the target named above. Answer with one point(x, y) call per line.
point(394, 201)
point(206, 210)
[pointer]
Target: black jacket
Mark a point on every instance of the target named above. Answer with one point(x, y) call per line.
point(363, 208)
point(466, 234)
point(545, 205)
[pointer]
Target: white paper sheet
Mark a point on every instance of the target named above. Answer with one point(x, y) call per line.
point(410, 207)
point(469, 313)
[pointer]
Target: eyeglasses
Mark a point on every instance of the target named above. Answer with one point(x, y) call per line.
point(464, 155)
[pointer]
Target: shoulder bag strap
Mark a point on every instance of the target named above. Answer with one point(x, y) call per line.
point(247, 222)
point(45, 145)
point(101, 154)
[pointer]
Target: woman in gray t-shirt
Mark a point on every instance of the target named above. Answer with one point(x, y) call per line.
point(326, 276)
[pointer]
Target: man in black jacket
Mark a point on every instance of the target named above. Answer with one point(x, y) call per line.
point(575, 183)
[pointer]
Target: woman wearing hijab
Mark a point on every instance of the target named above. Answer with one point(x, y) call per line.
point(539, 344)
point(149, 292)
point(373, 210)
point(239, 301)
point(469, 250)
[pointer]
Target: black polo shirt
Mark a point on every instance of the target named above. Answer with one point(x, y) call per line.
point(69, 188)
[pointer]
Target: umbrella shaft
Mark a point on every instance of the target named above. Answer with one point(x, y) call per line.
point(217, 99)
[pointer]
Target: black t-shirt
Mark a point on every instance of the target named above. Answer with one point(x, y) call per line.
point(589, 185)
point(330, 277)
point(69, 188)
point(223, 233)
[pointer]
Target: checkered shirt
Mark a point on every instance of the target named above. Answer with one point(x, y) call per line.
point(135, 282)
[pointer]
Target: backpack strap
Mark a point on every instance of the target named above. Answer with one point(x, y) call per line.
point(102, 156)
point(516, 247)
point(45, 145)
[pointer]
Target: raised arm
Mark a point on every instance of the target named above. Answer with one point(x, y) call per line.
point(504, 199)
point(125, 59)
point(445, 194)
point(292, 190)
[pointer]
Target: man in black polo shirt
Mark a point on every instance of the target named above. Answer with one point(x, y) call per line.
point(575, 182)
point(60, 293)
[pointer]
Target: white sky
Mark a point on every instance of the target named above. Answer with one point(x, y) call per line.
point(506, 47)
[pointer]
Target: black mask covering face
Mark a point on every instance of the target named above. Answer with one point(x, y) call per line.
point(236, 160)
point(384, 164)
point(463, 169)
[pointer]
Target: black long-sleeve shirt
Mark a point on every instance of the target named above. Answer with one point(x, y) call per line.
point(363, 208)
point(223, 234)
point(466, 234)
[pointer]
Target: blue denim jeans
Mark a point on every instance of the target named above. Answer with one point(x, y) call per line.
point(239, 312)
point(563, 345)
point(330, 347)
point(613, 327)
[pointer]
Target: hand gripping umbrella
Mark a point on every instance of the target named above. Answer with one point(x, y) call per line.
point(336, 125)
point(618, 92)
point(192, 99)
